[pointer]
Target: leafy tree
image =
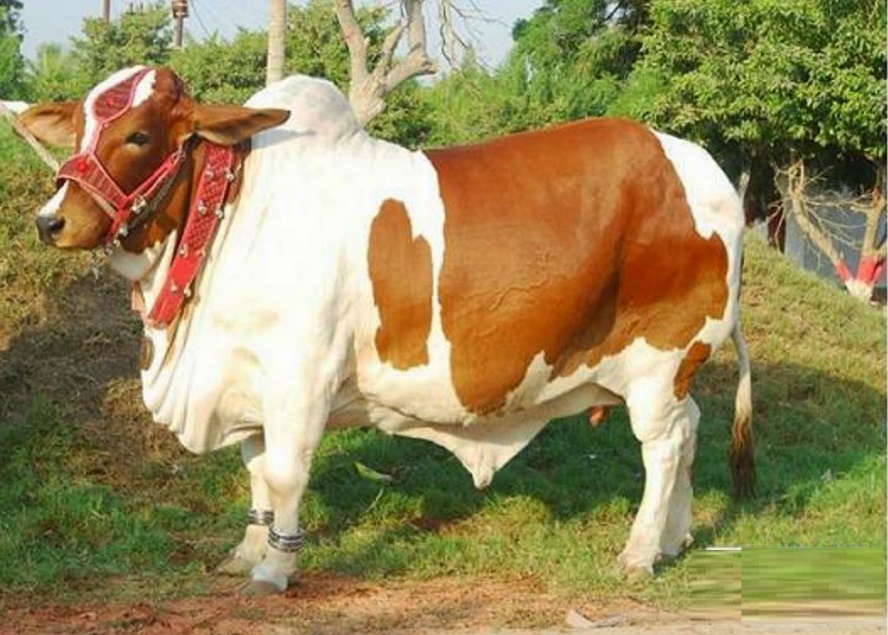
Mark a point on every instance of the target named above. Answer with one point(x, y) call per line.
point(473, 103)
point(230, 72)
point(223, 72)
point(10, 20)
point(465, 105)
point(12, 66)
point(572, 56)
point(571, 59)
point(53, 75)
point(774, 78)
point(137, 37)
point(774, 86)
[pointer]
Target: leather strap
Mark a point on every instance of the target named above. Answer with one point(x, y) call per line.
point(203, 218)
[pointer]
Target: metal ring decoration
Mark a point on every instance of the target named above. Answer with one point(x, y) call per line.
point(260, 517)
point(288, 543)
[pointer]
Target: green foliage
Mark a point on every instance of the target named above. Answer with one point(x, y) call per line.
point(774, 78)
point(138, 37)
point(10, 20)
point(53, 75)
point(223, 72)
point(229, 72)
point(12, 64)
point(570, 60)
point(573, 56)
point(465, 105)
point(26, 268)
point(12, 67)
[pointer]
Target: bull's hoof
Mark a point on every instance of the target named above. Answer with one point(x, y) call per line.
point(635, 569)
point(638, 573)
point(234, 565)
point(669, 555)
point(260, 588)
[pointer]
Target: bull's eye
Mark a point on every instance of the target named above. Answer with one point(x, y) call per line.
point(137, 138)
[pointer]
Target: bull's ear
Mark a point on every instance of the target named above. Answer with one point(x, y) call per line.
point(52, 123)
point(229, 125)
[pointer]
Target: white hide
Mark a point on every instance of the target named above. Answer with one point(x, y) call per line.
point(51, 208)
point(284, 312)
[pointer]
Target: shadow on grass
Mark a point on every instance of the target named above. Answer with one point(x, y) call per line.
point(812, 429)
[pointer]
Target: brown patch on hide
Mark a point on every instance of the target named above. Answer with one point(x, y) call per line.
point(401, 272)
point(146, 353)
point(693, 360)
point(571, 242)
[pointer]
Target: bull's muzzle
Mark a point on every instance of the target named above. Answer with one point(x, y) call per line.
point(49, 227)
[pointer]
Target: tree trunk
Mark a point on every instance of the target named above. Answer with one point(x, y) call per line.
point(277, 29)
point(369, 88)
point(793, 183)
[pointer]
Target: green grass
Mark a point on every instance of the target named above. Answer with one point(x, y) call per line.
point(75, 515)
point(25, 268)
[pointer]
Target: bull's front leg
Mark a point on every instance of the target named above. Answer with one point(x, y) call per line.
point(251, 549)
point(293, 427)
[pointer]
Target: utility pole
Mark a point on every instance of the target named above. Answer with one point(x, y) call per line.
point(277, 30)
point(106, 10)
point(180, 12)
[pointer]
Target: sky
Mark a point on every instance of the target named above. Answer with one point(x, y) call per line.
point(57, 20)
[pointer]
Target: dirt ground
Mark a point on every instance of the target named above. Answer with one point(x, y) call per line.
point(325, 605)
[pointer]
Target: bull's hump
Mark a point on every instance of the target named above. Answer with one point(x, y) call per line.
point(569, 243)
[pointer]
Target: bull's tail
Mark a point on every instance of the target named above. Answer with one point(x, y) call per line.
point(742, 447)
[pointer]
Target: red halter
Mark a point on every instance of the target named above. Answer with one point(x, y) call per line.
point(213, 187)
point(86, 169)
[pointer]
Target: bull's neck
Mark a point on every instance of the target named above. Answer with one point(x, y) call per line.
point(142, 252)
point(155, 268)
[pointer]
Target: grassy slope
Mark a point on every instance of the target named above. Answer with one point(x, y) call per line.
point(91, 490)
point(24, 270)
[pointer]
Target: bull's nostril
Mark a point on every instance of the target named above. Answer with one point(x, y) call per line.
point(49, 227)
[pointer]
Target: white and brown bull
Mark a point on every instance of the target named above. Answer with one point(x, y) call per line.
point(295, 274)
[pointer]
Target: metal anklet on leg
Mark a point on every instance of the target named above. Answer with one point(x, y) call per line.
point(263, 517)
point(287, 543)
point(252, 548)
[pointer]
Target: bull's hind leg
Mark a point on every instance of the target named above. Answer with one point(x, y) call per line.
point(667, 430)
point(677, 535)
point(251, 549)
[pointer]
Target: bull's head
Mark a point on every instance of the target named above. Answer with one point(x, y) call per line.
point(137, 138)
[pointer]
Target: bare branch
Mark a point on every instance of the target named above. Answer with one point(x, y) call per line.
point(795, 187)
point(354, 40)
point(447, 31)
point(369, 89)
point(874, 214)
point(417, 62)
point(388, 47)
